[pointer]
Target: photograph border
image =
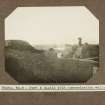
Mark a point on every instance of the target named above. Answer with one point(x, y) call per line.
point(9, 6)
point(61, 98)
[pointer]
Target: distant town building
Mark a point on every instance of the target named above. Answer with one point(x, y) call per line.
point(59, 54)
point(78, 51)
point(85, 50)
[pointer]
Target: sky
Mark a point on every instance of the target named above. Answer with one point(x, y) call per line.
point(52, 25)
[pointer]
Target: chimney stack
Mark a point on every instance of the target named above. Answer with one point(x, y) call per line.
point(80, 41)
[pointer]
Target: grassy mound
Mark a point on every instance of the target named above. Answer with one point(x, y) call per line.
point(20, 45)
point(31, 66)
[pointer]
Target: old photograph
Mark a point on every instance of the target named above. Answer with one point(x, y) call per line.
point(51, 44)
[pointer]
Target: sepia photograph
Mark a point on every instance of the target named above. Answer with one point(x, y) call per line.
point(56, 44)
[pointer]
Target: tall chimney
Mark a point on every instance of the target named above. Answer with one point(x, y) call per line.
point(80, 41)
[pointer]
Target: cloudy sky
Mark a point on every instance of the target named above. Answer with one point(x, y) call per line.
point(52, 25)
